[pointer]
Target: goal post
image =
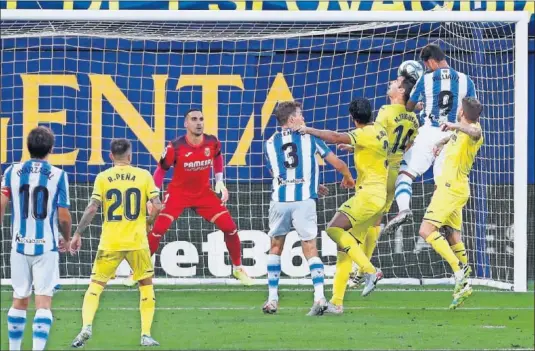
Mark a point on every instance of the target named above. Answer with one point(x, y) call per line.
point(126, 42)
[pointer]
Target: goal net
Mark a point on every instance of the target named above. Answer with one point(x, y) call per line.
point(92, 81)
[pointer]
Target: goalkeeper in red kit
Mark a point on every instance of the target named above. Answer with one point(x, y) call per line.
point(192, 156)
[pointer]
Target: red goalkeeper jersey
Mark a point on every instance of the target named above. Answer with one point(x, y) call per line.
point(192, 163)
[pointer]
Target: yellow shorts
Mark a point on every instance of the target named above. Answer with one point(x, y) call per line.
point(106, 264)
point(446, 209)
point(363, 209)
point(393, 171)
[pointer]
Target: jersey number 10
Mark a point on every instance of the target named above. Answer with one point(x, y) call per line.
point(39, 201)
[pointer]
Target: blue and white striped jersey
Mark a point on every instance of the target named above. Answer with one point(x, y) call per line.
point(36, 189)
point(291, 157)
point(442, 92)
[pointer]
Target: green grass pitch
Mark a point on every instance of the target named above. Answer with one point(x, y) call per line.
point(230, 318)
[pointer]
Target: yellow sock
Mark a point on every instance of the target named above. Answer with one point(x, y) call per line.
point(350, 246)
point(460, 251)
point(147, 305)
point(370, 243)
point(441, 246)
point(341, 275)
point(91, 300)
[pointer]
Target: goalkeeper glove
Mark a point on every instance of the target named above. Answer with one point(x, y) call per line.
point(220, 188)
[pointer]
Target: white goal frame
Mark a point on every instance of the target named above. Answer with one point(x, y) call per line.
point(520, 18)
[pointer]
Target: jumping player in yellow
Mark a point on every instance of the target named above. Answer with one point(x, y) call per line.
point(452, 193)
point(123, 191)
point(401, 127)
point(349, 226)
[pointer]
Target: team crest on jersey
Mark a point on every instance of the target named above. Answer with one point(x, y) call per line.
point(207, 151)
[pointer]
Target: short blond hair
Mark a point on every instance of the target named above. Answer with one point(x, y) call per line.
point(472, 108)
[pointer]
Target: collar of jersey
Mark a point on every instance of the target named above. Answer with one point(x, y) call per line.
point(193, 145)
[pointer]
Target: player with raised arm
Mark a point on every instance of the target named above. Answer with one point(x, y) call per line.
point(401, 127)
point(441, 91)
point(122, 191)
point(192, 157)
point(452, 193)
point(39, 193)
point(291, 160)
point(350, 224)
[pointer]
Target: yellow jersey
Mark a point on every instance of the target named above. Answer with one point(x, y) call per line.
point(401, 127)
point(371, 151)
point(461, 151)
point(123, 192)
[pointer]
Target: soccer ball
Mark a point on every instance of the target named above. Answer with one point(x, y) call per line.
point(412, 68)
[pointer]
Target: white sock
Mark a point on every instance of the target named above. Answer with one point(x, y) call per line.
point(41, 328)
point(16, 320)
point(318, 276)
point(459, 275)
point(274, 273)
point(403, 192)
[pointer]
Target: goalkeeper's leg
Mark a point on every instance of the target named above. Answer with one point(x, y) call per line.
point(162, 224)
point(213, 210)
point(174, 205)
point(226, 224)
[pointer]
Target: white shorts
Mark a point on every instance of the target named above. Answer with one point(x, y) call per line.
point(42, 271)
point(420, 157)
point(300, 215)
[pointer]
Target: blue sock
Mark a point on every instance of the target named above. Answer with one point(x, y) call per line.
point(318, 276)
point(16, 320)
point(403, 192)
point(41, 328)
point(274, 273)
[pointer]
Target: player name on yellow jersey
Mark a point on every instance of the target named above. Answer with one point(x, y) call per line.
point(122, 176)
point(123, 192)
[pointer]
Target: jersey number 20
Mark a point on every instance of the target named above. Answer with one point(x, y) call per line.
point(132, 204)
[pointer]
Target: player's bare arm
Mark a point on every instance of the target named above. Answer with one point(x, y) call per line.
point(323, 190)
point(325, 135)
point(466, 128)
point(220, 187)
point(346, 147)
point(156, 208)
point(341, 166)
point(440, 145)
point(411, 105)
point(65, 223)
point(87, 218)
point(4, 200)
